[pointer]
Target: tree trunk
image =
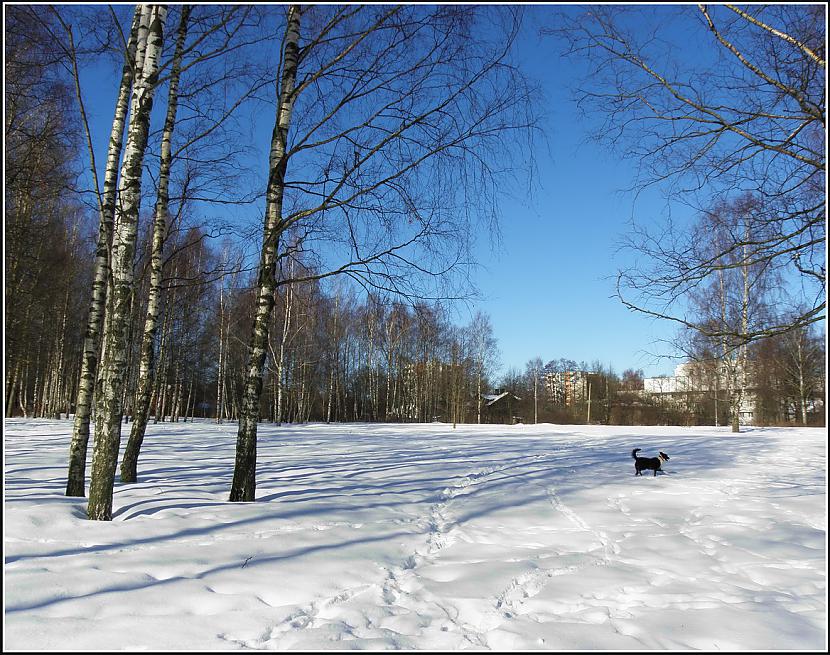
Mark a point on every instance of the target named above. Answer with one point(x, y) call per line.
point(23, 393)
point(187, 409)
point(286, 327)
point(177, 395)
point(159, 379)
point(146, 369)
point(113, 369)
point(478, 394)
point(92, 336)
point(11, 385)
point(536, 398)
point(802, 385)
point(244, 476)
point(743, 350)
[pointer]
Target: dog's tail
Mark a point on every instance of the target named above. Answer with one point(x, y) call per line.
point(634, 453)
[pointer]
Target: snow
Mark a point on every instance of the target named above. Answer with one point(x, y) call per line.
point(424, 537)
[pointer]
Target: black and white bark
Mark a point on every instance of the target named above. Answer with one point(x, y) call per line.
point(220, 376)
point(75, 485)
point(146, 367)
point(244, 479)
point(113, 368)
point(280, 355)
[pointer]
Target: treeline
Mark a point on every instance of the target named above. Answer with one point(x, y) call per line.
point(46, 240)
point(330, 355)
point(334, 354)
point(338, 354)
point(785, 385)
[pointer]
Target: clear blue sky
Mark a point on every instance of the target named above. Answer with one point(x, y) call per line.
point(548, 287)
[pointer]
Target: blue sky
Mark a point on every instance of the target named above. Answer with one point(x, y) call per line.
point(548, 286)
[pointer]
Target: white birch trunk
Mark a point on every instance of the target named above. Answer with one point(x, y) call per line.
point(220, 374)
point(536, 398)
point(92, 337)
point(113, 367)
point(743, 351)
point(286, 326)
point(146, 367)
point(244, 479)
point(802, 383)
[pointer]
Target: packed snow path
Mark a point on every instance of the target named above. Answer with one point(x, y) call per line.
point(424, 537)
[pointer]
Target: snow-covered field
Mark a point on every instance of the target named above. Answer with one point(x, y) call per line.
point(424, 537)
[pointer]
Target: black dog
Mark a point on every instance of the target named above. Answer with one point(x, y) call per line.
point(641, 463)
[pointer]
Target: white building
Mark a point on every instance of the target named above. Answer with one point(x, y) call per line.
point(686, 381)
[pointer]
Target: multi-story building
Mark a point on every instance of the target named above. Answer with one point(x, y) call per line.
point(567, 388)
point(692, 379)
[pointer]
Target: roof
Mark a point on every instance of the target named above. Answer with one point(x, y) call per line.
point(492, 399)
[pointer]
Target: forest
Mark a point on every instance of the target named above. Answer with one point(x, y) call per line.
point(374, 346)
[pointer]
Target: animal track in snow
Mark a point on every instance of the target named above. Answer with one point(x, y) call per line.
point(531, 583)
point(302, 618)
point(526, 586)
point(609, 548)
point(402, 587)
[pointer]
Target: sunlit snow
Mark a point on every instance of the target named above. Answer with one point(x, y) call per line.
point(424, 537)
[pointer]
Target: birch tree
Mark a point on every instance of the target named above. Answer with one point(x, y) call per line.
point(534, 369)
point(244, 483)
point(485, 353)
point(146, 376)
point(802, 366)
point(216, 29)
point(106, 205)
point(108, 409)
point(730, 307)
point(393, 102)
point(708, 102)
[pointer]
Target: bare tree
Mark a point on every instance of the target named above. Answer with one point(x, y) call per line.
point(725, 310)
point(108, 409)
point(390, 111)
point(106, 210)
point(215, 32)
point(458, 366)
point(744, 112)
point(535, 368)
point(485, 353)
point(243, 488)
point(802, 363)
point(146, 376)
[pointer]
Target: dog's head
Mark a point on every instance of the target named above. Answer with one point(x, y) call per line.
point(663, 456)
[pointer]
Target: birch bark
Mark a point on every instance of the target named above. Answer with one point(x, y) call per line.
point(146, 367)
point(244, 478)
point(92, 338)
point(743, 359)
point(286, 326)
point(112, 371)
point(220, 376)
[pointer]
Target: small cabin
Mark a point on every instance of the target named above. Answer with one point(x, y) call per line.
point(501, 406)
